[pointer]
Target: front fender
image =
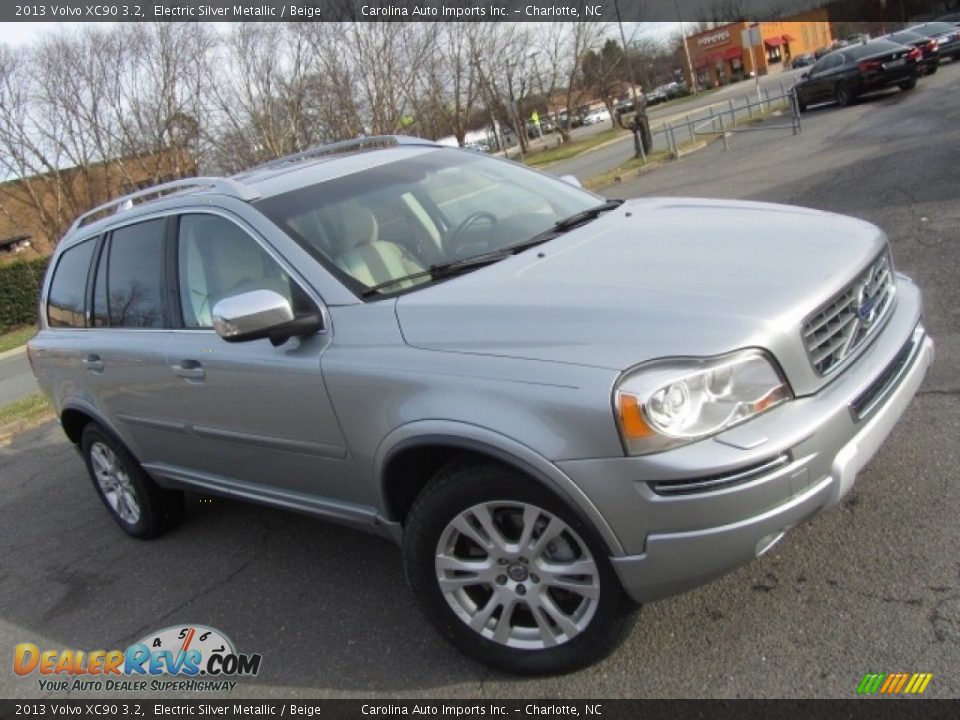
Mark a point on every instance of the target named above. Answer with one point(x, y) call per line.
point(488, 442)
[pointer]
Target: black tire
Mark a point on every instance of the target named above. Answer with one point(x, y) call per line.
point(157, 509)
point(932, 68)
point(459, 488)
point(908, 84)
point(843, 95)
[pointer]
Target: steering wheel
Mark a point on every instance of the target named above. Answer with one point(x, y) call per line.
point(470, 220)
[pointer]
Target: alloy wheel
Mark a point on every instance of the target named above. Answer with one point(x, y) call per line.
point(115, 483)
point(517, 575)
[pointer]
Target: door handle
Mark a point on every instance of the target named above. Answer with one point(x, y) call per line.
point(93, 363)
point(189, 370)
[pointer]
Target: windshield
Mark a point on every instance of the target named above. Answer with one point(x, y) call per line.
point(905, 37)
point(422, 211)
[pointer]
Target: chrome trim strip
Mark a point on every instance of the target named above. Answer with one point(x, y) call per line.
point(699, 485)
point(217, 485)
point(271, 443)
point(167, 425)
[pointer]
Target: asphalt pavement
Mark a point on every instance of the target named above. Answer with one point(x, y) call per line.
point(610, 156)
point(873, 585)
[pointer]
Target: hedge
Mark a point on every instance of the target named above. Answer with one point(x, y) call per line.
point(20, 283)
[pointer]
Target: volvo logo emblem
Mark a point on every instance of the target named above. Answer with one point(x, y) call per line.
point(866, 305)
point(517, 573)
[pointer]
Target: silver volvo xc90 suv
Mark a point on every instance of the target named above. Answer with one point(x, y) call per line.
point(560, 406)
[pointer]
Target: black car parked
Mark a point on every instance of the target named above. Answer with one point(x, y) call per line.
point(846, 74)
point(928, 47)
point(945, 33)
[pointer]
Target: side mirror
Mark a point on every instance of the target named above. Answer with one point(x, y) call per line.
point(571, 180)
point(804, 75)
point(261, 314)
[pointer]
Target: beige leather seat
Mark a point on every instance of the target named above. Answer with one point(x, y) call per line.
point(221, 261)
point(365, 257)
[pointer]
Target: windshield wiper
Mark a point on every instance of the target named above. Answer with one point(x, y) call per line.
point(589, 214)
point(440, 270)
point(447, 269)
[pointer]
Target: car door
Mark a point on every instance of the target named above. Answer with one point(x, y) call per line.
point(814, 84)
point(124, 353)
point(261, 422)
point(834, 71)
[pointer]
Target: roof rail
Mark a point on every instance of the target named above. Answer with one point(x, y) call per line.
point(218, 184)
point(345, 146)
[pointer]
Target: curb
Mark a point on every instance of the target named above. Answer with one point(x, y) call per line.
point(582, 152)
point(11, 353)
point(633, 174)
point(629, 175)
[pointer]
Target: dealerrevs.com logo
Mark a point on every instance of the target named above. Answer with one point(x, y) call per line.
point(180, 658)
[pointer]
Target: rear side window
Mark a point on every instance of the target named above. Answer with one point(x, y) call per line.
point(68, 289)
point(135, 276)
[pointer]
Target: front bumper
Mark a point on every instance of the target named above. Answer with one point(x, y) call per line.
point(677, 542)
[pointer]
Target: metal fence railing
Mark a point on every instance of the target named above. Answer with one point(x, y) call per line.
point(724, 118)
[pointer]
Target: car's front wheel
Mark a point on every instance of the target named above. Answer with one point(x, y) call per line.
point(510, 575)
point(908, 84)
point(843, 94)
point(138, 505)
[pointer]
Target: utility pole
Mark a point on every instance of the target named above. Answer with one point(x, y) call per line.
point(686, 50)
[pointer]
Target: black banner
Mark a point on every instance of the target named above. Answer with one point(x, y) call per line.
point(451, 10)
point(599, 709)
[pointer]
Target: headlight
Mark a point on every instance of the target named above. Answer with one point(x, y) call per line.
point(672, 402)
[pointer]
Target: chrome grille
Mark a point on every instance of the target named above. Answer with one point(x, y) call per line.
point(835, 331)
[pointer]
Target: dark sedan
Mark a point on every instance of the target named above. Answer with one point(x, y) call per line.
point(846, 74)
point(945, 33)
point(928, 47)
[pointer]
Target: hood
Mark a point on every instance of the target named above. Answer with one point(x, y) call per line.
point(655, 278)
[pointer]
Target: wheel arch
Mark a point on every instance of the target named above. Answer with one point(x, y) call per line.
point(74, 417)
point(410, 456)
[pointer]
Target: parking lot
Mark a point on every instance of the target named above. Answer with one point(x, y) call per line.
point(871, 586)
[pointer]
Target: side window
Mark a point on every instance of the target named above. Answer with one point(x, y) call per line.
point(819, 66)
point(68, 289)
point(135, 276)
point(218, 259)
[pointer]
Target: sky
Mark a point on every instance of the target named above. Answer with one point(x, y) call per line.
point(23, 33)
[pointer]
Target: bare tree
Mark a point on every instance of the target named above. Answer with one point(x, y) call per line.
point(449, 91)
point(606, 71)
point(261, 95)
point(386, 60)
point(571, 46)
point(504, 69)
point(87, 115)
